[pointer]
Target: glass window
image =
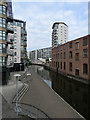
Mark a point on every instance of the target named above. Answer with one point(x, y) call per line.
point(70, 45)
point(85, 53)
point(22, 24)
point(15, 60)
point(70, 54)
point(85, 41)
point(15, 47)
point(4, 46)
point(2, 35)
point(85, 68)
point(0, 46)
point(77, 45)
point(3, 9)
point(70, 66)
point(2, 22)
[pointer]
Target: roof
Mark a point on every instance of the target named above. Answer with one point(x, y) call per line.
point(59, 23)
point(17, 20)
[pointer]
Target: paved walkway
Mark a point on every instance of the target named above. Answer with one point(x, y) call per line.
point(44, 98)
point(7, 93)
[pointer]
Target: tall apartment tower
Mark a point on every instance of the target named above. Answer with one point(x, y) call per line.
point(20, 43)
point(59, 34)
point(6, 40)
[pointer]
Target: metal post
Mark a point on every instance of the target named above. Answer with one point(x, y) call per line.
point(17, 95)
point(17, 76)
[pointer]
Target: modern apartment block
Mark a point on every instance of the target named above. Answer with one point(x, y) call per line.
point(44, 53)
point(73, 58)
point(20, 43)
point(13, 42)
point(6, 40)
point(59, 34)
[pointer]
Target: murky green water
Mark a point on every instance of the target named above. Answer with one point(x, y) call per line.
point(75, 93)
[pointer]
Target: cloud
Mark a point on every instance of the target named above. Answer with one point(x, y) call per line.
point(41, 16)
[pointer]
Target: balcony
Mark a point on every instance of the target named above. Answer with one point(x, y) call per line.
point(10, 52)
point(12, 47)
point(9, 19)
point(10, 64)
point(25, 33)
point(10, 28)
point(9, 41)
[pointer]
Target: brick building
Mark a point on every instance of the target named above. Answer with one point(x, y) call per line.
point(73, 58)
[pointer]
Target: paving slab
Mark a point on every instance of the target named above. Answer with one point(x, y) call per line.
point(43, 97)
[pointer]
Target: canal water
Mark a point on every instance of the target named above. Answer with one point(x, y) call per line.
point(77, 94)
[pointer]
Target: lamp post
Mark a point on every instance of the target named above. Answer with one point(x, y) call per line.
point(17, 76)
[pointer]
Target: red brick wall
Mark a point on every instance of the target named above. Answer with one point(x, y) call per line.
point(75, 64)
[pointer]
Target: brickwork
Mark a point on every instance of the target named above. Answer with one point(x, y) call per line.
point(76, 54)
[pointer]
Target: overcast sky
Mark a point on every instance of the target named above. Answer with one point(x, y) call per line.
point(40, 16)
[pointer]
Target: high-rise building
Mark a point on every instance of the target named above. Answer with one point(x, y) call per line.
point(6, 39)
point(20, 42)
point(59, 34)
point(13, 42)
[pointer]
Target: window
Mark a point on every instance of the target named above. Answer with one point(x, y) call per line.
point(85, 41)
point(64, 55)
point(77, 72)
point(70, 54)
point(58, 64)
point(61, 48)
point(70, 66)
point(22, 30)
point(2, 35)
point(70, 45)
point(1, 46)
point(61, 65)
point(61, 55)
point(15, 29)
point(85, 68)
point(77, 56)
point(64, 65)
point(64, 47)
point(2, 61)
point(3, 9)
point(15, 53)
point(85, 53)
point(2, 22)
point(15, 47)
point(15, 60)
point(77, 45)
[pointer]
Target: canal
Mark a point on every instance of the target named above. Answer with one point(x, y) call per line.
point(75, 93)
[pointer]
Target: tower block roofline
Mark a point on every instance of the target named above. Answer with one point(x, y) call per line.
point(59, 23)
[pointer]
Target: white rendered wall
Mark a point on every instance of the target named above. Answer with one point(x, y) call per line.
point(18, 44)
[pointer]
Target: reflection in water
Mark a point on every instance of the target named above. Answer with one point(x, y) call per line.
point(75, 93)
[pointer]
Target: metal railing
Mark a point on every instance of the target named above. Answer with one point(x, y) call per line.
point(10, 27)
point(10, 52)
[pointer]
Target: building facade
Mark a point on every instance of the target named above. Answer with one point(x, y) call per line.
point(20, 42)
point(13, 43)
point(6, 41)
point(59, 34)
point(44, 53)
point(73, 58)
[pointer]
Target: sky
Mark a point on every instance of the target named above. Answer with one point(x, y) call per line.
point(40, 16)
